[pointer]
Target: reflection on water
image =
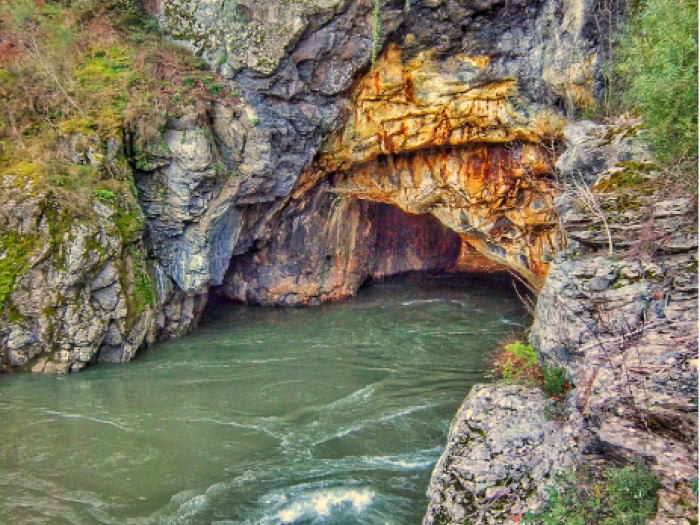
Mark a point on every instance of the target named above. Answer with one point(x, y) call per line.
point(333, 415)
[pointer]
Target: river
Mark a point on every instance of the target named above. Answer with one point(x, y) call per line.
point(329, 415)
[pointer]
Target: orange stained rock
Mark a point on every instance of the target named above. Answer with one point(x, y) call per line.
point(498, 198)
point(402, 106)
point(423, 138)
point(471, 260)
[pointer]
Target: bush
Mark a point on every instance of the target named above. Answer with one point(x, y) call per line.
point(518, 363)
point(68, 67)
point(614, 496)
point(657, 67)
point(554, 382)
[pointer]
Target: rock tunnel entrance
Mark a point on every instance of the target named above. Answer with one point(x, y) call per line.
point(325, 246)
point(428, 165)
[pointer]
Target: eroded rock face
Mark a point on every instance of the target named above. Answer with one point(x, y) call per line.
point(333, 246)
point(460, 81)
point(76, 287)
point(477, 192)
point(427, 136)
point(624, 329)
point(502, 451)
point(458, 75)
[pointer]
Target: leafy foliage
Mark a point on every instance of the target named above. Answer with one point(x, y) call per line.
point(518, 362)
point(624, 496)
point(88, 67)
point(554, 382)
point(657, 66)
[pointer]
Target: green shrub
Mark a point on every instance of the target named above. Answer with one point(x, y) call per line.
point(554, 382)
point(624, 496)
point(632, 494)
point(657, 67)
point(517, 362)
point(105, 196)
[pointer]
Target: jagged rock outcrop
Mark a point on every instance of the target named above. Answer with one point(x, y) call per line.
point(486, 78)
point(470, 84)
point(502, 451)
point(72, 274)
point(352, 241)
point(624, 328)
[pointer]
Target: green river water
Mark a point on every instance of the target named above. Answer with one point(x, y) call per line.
point(268, 416)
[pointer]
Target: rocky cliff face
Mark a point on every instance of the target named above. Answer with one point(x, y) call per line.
point(74, 283)
point(624, 327)
point(450, 123)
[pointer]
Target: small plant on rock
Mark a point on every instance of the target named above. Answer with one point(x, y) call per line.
point(555, 383)
point(610, 496)
point(518, 362)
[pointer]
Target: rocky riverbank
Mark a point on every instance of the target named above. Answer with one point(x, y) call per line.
point(623, 326)
point(325, 167)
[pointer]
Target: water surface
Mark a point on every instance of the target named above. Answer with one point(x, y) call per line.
point(333, 415)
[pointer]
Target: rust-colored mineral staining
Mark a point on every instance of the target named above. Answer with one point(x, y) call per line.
point(405, 106)
point(423, 140)
point(472, 261)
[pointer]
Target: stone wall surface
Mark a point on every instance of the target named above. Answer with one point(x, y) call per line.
point(457, 86)
point(465, 75)
point(623, 326)
point(502, 451)
point(75, 284)
point(293, 195)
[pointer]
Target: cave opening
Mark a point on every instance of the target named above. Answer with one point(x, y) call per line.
point(326, 246)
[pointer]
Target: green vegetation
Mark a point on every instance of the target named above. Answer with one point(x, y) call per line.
point(143, 289)
point(614, 496)
point(657, 73)
point(90, 68)
point(518, 363)
point(105, 196)
point(554, 382)
point(14, 250)
point(376, 29)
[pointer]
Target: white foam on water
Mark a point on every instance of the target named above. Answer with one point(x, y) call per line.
point(418, 302)
point(265, 361)
point(510, 323)
point(361, 395)
point(67, 415)
point(188, 509)
point(319, 504)
point(414, 461)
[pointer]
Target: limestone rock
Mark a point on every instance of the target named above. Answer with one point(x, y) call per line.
point(501, 453)
point(625, 330)
point(70, 292)
point(294, 65)
point(360, 240)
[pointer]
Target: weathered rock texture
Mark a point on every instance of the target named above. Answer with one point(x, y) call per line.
point(485, 80)
point(351, 241)
point(448, 123)
point(502, 451)
point(624, 328)
point(74, 283)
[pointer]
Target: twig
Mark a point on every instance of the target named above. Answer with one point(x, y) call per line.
point(586, 196)
point(51, 72)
